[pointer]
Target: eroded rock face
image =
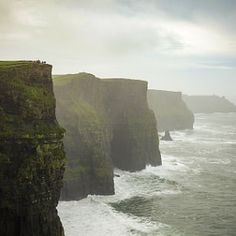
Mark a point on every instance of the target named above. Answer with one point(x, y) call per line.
point(108, 124)
point(31, 151)
point(170, 110)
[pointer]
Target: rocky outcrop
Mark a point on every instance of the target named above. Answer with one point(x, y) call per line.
point(31, 151)
point(108, 124)
point(170, 110)
point(167, 136)
point(209, 104)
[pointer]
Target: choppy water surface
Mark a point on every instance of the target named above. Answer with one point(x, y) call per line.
point(192, 194)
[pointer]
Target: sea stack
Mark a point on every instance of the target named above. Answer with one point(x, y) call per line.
point(167, 136)
point(31, 151)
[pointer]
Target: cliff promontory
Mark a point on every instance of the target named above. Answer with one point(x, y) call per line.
point(170, 110)
point(108, 125)
point(31, 151)
point(209, 104)
point(135, 140)
point(81, 111)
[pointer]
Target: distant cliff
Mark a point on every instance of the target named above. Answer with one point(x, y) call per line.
point(108, 124)
point(31, 151)
point(170, 110)
point(209, 104)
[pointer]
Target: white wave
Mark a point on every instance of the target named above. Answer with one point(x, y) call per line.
point(219, 161)
point(170, 163)
point(92, 217)
point(183, 160)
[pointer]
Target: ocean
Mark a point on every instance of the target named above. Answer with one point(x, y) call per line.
point(192, 194)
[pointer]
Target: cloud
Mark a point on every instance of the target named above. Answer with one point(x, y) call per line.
point(137, 38)
point(118, 26)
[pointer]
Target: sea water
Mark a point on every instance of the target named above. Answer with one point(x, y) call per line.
point(192, 194)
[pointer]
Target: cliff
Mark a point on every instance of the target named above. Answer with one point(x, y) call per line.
point(81, 111)
point(135, 140)
point(209, 104)
point(31, 151)
point(170, 110)
point(108, 124)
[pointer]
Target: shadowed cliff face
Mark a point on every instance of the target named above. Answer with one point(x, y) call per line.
point(135, 140)
point(31, 151)
point(170, 110)
point(108, 123)
point(81, 111)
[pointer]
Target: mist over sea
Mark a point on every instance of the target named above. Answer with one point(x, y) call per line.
point(192, 194)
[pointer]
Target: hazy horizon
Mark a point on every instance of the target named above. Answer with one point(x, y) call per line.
point(187, 45)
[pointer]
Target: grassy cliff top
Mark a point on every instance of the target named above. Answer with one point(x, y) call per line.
point(124, 80)
point(60, 80)
point(165, 92)
point(14, 63)
point(20, 63)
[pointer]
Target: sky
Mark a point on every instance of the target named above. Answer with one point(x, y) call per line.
point(179, 45)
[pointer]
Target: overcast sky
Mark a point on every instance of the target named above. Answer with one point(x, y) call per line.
point(184, 45)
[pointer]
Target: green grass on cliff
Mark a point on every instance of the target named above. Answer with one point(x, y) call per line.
point(14, 63)
point(26, 102)
point(86, 136)
point(60, 80)
point(6, 65)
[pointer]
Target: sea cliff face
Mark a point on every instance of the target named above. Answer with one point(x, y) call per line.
point(209, 104)
point(170, 110)
point(81, 111)
point(31, 151)
point(108, 125)
point(135, 140)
